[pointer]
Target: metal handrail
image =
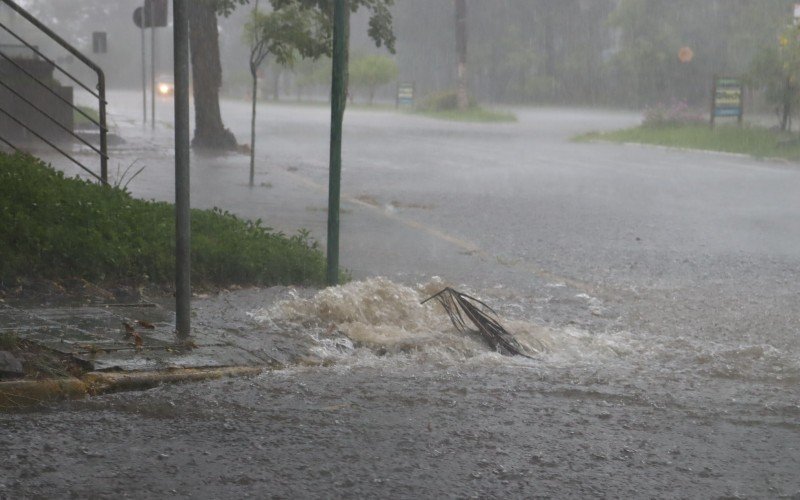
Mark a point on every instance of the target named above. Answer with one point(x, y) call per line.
point(101, 86)
point(44, 86)
point(39, 53)
point(53, 120)
point(39, 136)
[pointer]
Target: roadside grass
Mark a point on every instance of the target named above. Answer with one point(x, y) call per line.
point(475, 114)
point(81, 121)
point(54, 227)
point(759, 142)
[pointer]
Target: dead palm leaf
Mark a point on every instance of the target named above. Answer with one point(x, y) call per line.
point(459, 306)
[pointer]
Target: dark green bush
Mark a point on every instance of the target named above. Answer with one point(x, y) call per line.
point(56, 227)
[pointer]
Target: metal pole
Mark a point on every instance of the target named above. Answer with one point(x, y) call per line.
point(101, 88)
point(338, 102)
point(153, 73)
point(144, 70)
point(183, 287)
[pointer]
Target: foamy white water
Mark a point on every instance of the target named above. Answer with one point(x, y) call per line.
point(362, 320)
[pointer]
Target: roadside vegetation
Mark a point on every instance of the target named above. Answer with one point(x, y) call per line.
point(79, 119)
point(676, 125)
point(755, 141)
point(444, 106)
point(54, 227)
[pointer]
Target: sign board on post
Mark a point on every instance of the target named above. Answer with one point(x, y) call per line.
point(153, 15)
point(99, 42)
point(727, 99)
point(405, 94)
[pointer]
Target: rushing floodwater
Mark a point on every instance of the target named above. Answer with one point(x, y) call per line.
point(381, 396)
point(378, 321)
point(671, 369)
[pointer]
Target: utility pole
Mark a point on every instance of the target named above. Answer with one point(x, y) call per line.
point(152, 72)
point(338, 102)
point(144, 69)
point(183, 269)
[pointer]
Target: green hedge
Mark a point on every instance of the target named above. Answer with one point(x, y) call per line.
point(56, 227)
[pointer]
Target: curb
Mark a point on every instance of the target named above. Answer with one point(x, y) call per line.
point(25, 393)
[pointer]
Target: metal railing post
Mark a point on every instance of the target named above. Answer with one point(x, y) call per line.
point(101, 83)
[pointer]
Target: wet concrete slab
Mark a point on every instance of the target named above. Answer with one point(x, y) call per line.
point(98, 336)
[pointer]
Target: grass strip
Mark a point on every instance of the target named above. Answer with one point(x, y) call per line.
point(759, 142)
point(474, 114)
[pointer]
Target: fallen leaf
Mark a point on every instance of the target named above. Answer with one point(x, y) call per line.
point(129, 330)
point(145, 324)
point(137, 340)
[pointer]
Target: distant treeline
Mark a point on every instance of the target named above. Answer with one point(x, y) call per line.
point(603, 52)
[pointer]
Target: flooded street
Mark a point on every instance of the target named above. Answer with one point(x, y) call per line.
point(656, 291)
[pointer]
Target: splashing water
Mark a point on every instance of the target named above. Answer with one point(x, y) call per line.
point(385, 318)
point(366, 321)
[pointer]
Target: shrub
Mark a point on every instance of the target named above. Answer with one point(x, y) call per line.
point(445, 100)
point(675, 113)
point(56, 227)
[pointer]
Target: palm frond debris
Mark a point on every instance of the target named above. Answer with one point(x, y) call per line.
point(462, 308)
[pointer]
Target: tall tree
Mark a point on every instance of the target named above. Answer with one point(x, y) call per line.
point(372, 72)
point(283, 34)
point(209, 132)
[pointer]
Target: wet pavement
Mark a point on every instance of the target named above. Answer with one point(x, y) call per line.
point(655, 289)
point(96, 335)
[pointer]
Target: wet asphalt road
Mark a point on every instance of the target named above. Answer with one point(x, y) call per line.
point(691, 257)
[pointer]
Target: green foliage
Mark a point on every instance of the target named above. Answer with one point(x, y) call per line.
point(380, 17)
point(55, 227)
point(224, 7)
point(8, 341)
point(445, 100)
point(759, 142)
point(371, 72)
point(474, 114)
point(286, 33)
point(444, 106)
point(776, 70)
point(724, 36)
point(81, 121)
point(676, 113)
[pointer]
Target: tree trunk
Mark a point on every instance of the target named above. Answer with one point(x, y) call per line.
point(209, 131)
point(276, 88)
point(786, 107)
point(461, 45)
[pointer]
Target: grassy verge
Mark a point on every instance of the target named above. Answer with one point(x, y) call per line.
point(759, 142)
point(55, 227)
point(81, 121)
point(472, 114)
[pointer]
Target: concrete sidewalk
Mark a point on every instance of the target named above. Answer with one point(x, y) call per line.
point(145, 353)
point(96, 336)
